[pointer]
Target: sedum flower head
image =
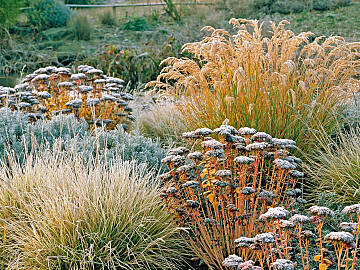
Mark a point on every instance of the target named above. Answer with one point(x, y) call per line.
point(261, 137)
point(244, 160)
point(348, 226)
point(212, 144)
point(203, 132)
point(321, 211)
point(352, 209)
point(284, 164)
point(274, 213)
point(299, 219)
point(247, 131)
point(264, 238)
point(195, 156)
point(244, 241)
point(232, 261)
point(283, 264)
point(344, 237)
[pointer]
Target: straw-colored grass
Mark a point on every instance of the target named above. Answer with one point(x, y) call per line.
point(59, 213)
point(283, 84)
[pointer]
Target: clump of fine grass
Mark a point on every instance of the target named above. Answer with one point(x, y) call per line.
point(335, 168)
point(57, 212)
point(284, 85)
point(81, 27)
point(163, 121)
point(107, 18)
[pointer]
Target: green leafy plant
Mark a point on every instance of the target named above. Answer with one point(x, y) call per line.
point(48, 13)
point(136, 24)
point(9, 10)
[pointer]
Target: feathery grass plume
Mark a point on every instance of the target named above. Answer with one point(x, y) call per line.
point(284, 85)
point(58, 212)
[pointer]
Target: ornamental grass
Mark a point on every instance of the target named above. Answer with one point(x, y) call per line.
point(59, 212)
point(287, 85)
point(217, 194)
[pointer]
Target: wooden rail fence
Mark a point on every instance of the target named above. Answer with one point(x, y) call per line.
point(114, 6)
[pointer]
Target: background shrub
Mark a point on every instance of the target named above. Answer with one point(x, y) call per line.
point(81, 27)
point(48, 13)
point(107, 18)
point(136, 24)
point(21, 139)
point(9, 10)
point(83, 216)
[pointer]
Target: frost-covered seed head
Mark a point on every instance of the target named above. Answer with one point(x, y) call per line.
point(191, 184)
point(283, 143)
point(286, 224)
point(244, 160)
point(232, 261)
point(283, 264)
point(274, 213)
point(210, 221)
point(267, 194)
point(165, 177)
point(261, 137)
point(352, 209)
point(256, 146)
point(223, 173)
point(344, 237)
point(183, 169)
point(226, 128)
point(212, 144)
point(299, 219)
point(217, 153)
point(264, 238)
point(219, 183)
point(321, 211)
point(190, 135)
point(244, 241)
point(348, 226)
point(171, 190)
point(307, 234)
point(192, 204)
point(195, 156)
point(247, 190)
point(284, 164)
point(247, 131)
point(203, 132)
point(178, 151)
point(301, 200)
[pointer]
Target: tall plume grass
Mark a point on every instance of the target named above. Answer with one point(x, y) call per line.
point(283, 84)
point(58, 213)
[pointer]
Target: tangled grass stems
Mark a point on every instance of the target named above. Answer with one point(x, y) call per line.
point(284, 85)
point(337, 164)
point(61, 213)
